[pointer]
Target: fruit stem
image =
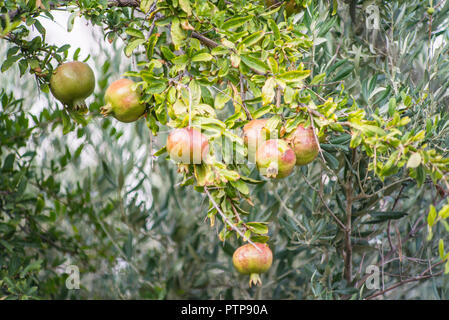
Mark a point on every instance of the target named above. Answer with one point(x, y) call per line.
point(255, 279)
point(272, 170)
point(106, 109)
point(79, 105)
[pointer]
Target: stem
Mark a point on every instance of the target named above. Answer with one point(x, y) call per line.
point(227, 221)
point(348, 244)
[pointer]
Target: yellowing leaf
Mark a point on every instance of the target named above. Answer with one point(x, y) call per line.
point(293, 76)
point(235, 22)
point(202, 57)
point(414, 161)
point(268, 91)
point(145, 5)
point(431, 216)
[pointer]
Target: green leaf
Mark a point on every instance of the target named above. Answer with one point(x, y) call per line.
point(258, 227)
point(293, 76)
point(343, 73)
point(178, 35)
point(235, 22)
point(8, 163)
point(220, 100)
point(132, 46)
point(255, 64)
point(268, 92)
point(240, 186)
point(414, 161)
point(71, 21)
point(145, 5)
point(135, 33)
point(444, 212)
point(185, 6)
point(253, 38)
point(441, 249)
point(9, 62)
point(318, 78)
point(274, 27)
point(202, 57)
point(431, 216)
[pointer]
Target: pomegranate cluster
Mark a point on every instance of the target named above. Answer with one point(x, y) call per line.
point(276, 158)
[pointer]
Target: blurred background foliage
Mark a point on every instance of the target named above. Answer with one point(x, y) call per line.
point(97, 199)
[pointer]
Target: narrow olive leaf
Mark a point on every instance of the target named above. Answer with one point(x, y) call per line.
point(343, 73)
point(200, 57)
point(414, 161)
point(235, 22)
point(392, 106)
point(255, 64)
point(431, 216)
point(268, 91)
point(71, 21)
point(132, 46)
point(160, 152)
point(293, 76)
point(185, 6)
point(441, 249)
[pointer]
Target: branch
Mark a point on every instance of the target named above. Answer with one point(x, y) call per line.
point(208, 42)
point(227, 221)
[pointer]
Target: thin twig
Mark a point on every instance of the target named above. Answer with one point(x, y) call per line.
point(227, 221)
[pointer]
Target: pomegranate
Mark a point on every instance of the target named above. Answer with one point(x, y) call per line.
point(248, 259)
point(71, 83)
point(304, 144)
point(275, 159)
point(187, 145)
point(122, 102)
point(254, 134)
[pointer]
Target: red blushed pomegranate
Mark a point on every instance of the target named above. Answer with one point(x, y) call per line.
point(275, 159)
point(254, 134)
point(248, 259)
point(187, 145)
point(122, 101)
point(71, 83)
point(304, 144)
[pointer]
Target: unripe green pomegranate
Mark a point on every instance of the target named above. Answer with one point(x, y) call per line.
point(275, 159)
point(248, 259)
point(304, 144)
point(254, 134)
point(187, 145)
point(71, 83)
point(122, 101)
